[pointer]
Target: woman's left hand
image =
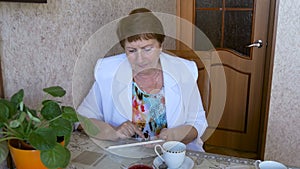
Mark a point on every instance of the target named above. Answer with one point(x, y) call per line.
point(184, 133)
point(167, 134)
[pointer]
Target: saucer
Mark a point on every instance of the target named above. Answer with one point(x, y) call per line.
point(188, 163)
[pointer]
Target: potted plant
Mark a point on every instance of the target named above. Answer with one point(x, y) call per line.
point(39, 128)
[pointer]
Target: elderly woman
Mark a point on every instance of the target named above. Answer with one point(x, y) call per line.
point(145, 92)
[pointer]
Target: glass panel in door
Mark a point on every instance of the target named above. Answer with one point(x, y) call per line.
point(227, 23)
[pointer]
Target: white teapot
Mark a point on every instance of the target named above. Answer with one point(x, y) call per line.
point(268, 165)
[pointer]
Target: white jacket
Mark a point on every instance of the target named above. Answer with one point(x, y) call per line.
point(110, 98)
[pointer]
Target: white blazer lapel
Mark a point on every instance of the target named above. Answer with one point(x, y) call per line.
point(173, 103)
point(172, 92)
point(122, 86)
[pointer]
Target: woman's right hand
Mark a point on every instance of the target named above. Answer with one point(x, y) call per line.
point(127, 130)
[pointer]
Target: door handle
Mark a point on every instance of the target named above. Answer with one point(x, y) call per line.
point(257, 44)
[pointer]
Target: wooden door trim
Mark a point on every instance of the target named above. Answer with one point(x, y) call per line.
point(183, 30)
point(268, 72)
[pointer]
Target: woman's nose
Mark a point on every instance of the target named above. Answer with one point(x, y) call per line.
point(140, 56)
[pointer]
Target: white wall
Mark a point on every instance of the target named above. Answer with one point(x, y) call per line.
point(283, 134)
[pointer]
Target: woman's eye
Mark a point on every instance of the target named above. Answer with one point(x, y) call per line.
point(147, 49)
point(131, 50)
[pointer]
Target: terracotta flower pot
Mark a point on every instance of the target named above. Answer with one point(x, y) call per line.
point(25, 159)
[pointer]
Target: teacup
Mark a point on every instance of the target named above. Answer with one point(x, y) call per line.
point(268, 165)
point(173, 153)
point(140, 166)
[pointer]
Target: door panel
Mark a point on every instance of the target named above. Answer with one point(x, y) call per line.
point(234, 116)
point(231, 26)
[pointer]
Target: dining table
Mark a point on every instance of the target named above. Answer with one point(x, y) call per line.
point(90, 153)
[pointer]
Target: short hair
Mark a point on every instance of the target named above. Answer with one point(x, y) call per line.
point(140, 24)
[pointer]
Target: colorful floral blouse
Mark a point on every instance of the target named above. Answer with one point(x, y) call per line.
point(149, 111)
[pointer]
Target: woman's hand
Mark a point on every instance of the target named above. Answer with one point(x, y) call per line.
point(185, 134)
point(128, 129)
point(167, 134)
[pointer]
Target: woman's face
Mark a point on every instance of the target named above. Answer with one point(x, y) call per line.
point(143, 54)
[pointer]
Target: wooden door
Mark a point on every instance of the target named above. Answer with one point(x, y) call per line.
point(231, 26)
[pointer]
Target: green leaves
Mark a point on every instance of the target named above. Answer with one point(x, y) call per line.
point(55, 91)
point(18, 97)
point(40, 127)
point(61, 127)
point(31, 117)
point(89, 127)
point(4, 113)
point(58, 157)
point(69, 113)
point(43, 139)
point(11, 107)
point(50, 110)
point(16, 123)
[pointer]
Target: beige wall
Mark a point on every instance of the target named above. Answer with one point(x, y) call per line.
point(283, 134)
point(40, 44)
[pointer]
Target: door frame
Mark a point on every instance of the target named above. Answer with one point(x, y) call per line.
point(182, 6)
point(268, 73)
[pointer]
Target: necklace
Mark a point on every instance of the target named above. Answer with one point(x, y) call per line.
point(150, 82)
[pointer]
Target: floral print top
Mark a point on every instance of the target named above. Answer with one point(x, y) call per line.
point(149, 111)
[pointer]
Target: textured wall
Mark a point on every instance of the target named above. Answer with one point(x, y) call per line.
point(41, 42)
point(283, 134)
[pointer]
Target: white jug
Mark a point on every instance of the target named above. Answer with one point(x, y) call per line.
point(268, 165)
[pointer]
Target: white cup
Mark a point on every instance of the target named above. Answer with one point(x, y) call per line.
point(173, 153)
point(268, 165)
